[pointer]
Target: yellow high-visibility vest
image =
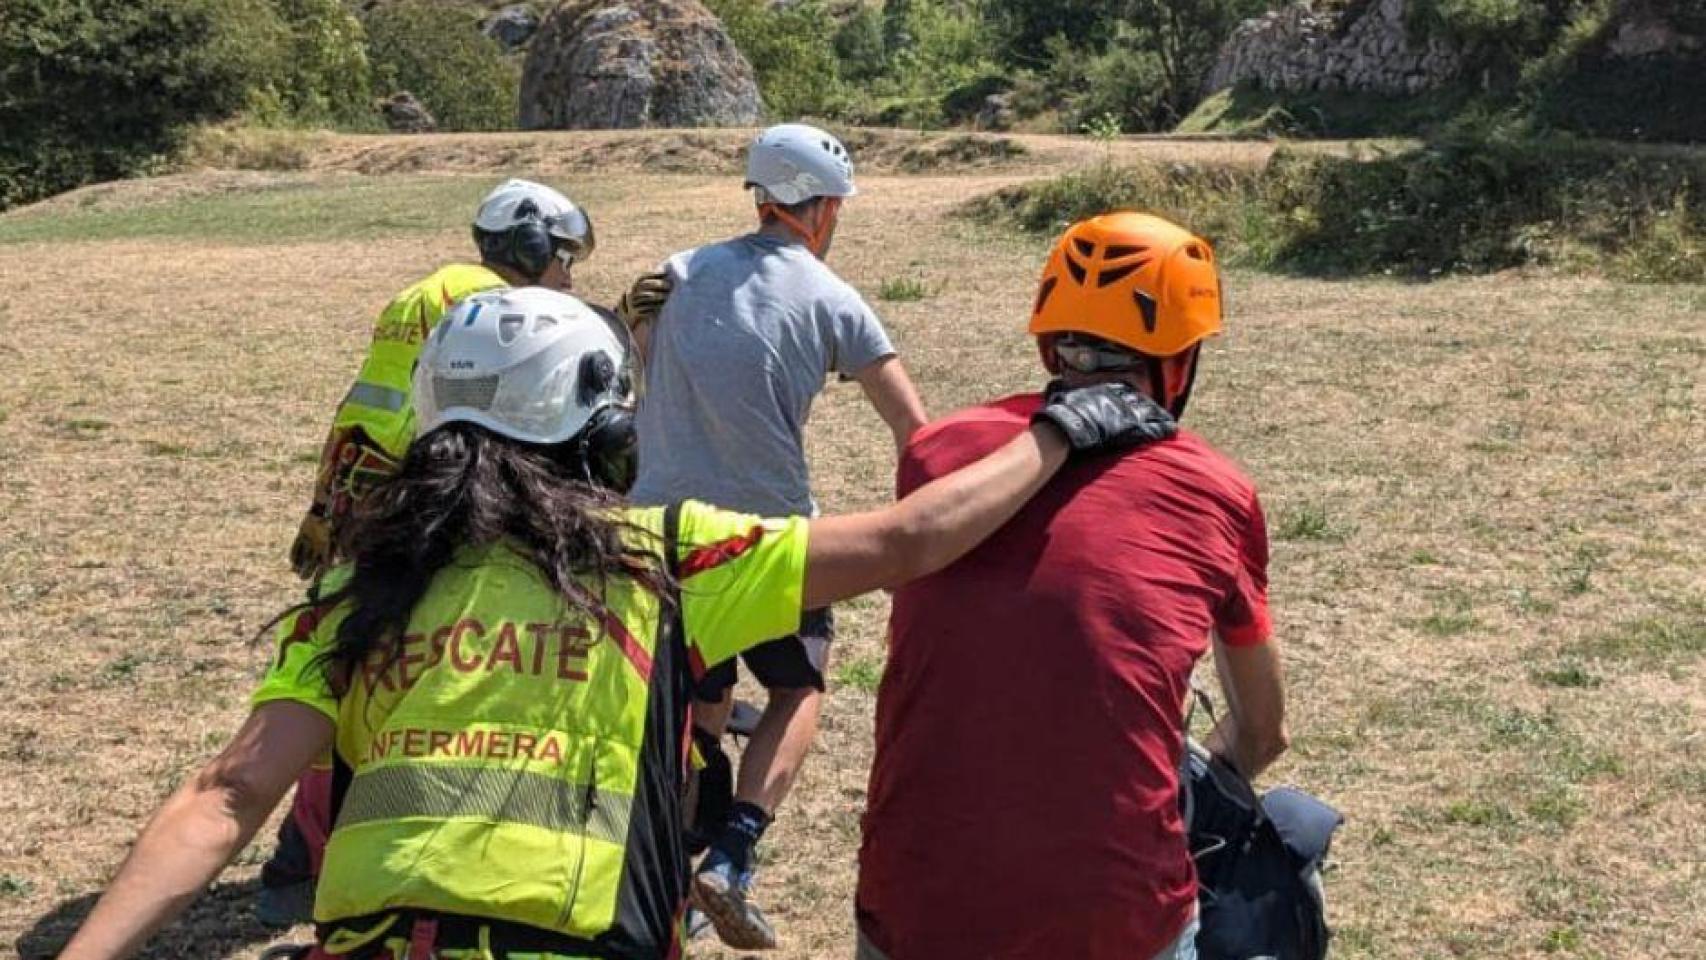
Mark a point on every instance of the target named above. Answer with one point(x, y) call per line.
point(380, 401)
point(520, 761)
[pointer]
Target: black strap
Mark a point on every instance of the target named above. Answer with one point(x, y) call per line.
point(672, 563)
point(672, 542)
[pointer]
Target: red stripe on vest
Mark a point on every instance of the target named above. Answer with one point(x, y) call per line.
point(631, 648)
point(714, 555)
point(303, 629)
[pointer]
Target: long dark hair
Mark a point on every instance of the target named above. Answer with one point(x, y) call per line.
point(463, 486)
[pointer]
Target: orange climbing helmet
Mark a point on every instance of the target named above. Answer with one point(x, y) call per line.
point(1133, 279)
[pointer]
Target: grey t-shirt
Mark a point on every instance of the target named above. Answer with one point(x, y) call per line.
point(744, 344)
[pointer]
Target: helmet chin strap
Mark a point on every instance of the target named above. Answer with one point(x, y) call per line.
point(815, 239)
point(1158, 382)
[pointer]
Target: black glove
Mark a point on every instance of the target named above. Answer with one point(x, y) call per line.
point(1105, 416)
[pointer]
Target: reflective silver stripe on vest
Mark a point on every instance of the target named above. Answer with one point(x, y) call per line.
point(375, 396)
point(492, 793)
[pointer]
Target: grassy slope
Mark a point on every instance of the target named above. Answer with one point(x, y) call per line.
point(1485, 510)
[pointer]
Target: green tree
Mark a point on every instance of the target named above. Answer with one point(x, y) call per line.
point(325, 78)
point(97, 89)
point(437, 53)
point(792, 52)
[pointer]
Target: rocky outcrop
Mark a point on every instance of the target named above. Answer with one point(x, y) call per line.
point(1295, 49)
point(405, 114)
point(511, 26)
point(1644, 32)
point(597, 64)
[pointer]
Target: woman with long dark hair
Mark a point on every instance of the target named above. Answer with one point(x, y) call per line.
point(503, 669)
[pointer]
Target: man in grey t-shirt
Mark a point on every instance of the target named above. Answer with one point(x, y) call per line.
point(751, 329)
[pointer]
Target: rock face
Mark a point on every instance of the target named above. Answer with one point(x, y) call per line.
point(996, 112)
point(1645, 33)
point(1297, 49)
point(597, 64)
point(405, 114)
point(511, 27)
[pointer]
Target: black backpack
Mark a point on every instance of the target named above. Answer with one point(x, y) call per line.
point(1258, 864)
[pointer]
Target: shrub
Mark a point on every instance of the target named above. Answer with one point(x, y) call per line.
point(792, 51)
point(437, 53)
point(1473, 204)
point(325, 78)
point(98, 91)
point(1140, 60)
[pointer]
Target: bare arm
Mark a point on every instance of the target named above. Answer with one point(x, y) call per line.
point(934, 526)
point(201, 827)
point(1252, 734)
point(891, 392)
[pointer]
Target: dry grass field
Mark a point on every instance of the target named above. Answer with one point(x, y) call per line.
point(1487, 497)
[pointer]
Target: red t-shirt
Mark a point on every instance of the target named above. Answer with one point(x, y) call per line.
point(1023, 799)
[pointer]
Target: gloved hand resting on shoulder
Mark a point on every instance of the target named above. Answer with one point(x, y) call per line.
point(1105, 416)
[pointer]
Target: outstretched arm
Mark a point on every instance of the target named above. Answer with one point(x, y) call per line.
point(942, 520)
point(891, 392)
point(201, 827)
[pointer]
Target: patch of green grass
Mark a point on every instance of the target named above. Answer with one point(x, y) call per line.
point(291, 209)
point(12, 885)
point(903, 290)
point(1650, 638)
point(861, 673)
point(1568, 674)
point(162, 448)
point(83, 428)
point(1579, 571)
point(1423, 558)
point(1558, 806)
point(1306, 522)
point(1453, 616)
point(1560, 939)
point(123, 669)
point(1477, 813)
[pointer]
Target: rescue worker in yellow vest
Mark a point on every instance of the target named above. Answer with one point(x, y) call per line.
point(526, 233)
point(506, 662)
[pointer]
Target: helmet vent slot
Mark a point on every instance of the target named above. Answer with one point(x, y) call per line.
point(509, 327)
point(474, 392)
point(1118, 273)
point(1196, 252)
point(1119, 251)
point(1076, 269)
point(1147, 306)
point(1043, 294)
point(1085, 247)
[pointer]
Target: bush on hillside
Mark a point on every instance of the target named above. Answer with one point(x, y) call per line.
point(98, 91)
point(1473, 204)
point(792, 52)
point(323, 78)
point(1140, 61)
point(438, 53)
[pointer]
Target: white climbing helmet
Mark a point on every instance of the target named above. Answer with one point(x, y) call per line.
point(792, 163)
point(530, 215)
point(531, 364)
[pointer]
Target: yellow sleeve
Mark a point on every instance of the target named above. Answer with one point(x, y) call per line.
point(295, 673)
point(741, 579)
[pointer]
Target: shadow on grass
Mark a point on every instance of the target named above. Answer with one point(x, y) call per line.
point(220, 923)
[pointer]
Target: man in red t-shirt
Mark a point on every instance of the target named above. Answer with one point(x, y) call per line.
point(1024, 796)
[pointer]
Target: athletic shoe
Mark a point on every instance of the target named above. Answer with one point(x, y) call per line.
point(725, 894)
